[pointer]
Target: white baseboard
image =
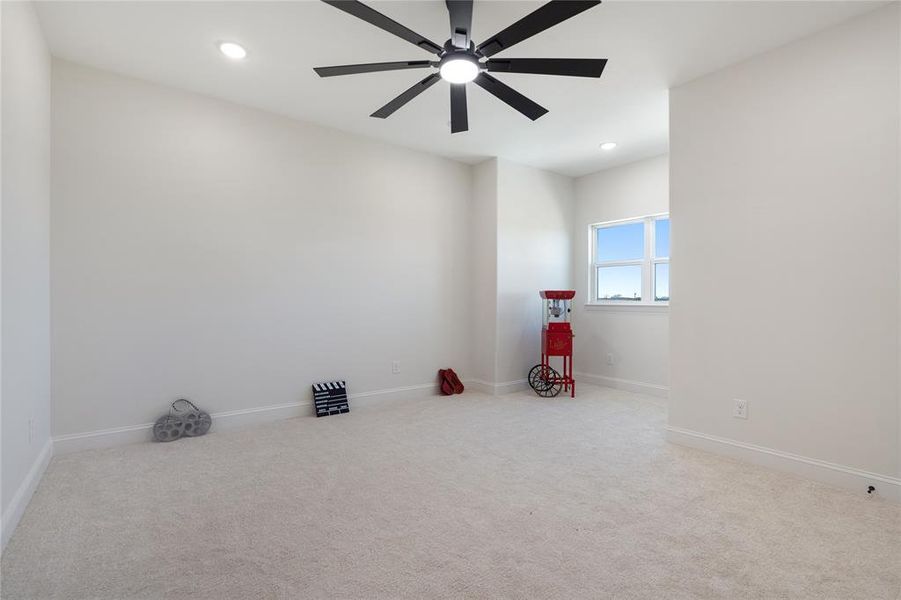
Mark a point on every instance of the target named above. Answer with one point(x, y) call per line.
point(102, 438)
point(409, 391)
point(640, 387)
point(13, 513)
point(477, 385)
point(842, 476)
point(508, 387)
point(496, 389)
point(226, 420)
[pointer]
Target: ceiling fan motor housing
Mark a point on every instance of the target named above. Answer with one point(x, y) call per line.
point(450, 48)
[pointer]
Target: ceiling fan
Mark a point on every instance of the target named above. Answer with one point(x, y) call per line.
point(461, 61)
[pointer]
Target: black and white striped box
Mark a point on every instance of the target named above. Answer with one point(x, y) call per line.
point(330, 398)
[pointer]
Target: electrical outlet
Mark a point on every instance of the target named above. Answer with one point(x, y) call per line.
point(740, 411)
point(610, 360)
point(395, 367)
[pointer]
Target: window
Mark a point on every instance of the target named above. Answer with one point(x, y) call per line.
point(630, 261)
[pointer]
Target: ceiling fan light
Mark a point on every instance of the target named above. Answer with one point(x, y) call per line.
point(459, 70)
point(232, 50)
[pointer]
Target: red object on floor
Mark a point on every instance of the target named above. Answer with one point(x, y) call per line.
point(450, 383)
point(447, 388)
point(458, 385)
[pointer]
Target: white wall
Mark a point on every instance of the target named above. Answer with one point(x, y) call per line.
point(207, 250)
point(25, 248)
point(484, 275)
point(636, 336)
point(784, 204)
point(534, 248)
point(521, 228)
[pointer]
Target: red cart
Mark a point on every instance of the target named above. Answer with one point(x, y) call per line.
point(556, 340)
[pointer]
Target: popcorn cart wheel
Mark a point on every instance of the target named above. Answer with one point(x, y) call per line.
point(546, 381)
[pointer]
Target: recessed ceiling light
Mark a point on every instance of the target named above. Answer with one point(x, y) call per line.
point(608, 145)
point(232, 50)
point(459, 70)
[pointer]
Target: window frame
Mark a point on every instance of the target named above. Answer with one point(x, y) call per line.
point(648, 263)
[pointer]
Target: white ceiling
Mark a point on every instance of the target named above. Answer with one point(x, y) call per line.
point(651, 46)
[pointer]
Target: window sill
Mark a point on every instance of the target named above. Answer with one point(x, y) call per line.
point(627, 307)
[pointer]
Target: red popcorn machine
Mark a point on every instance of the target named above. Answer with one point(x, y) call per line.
point(556, 340)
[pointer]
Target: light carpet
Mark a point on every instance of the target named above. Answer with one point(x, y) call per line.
point(463, 497)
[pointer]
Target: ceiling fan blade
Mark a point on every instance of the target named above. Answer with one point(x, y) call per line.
point(417, 88)
point(573, 67)
point(545, 17)
point(374, 17)
point(460, 22)
point(459, 116)
point(507, 94)
point(371, 68)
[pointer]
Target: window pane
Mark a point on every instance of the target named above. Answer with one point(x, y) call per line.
point(621, 242)
point(661, 238)
point(661, 282)
point(619, 283)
